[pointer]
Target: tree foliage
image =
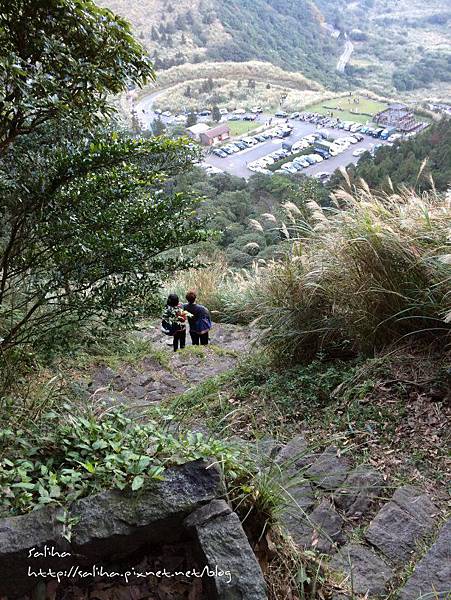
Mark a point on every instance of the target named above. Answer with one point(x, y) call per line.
point(59, 57)
point(88, 226)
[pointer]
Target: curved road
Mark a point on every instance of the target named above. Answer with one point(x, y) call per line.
point(144, 108)
point(346, 55)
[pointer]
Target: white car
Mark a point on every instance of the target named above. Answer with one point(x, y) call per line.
point(359, 152)
point(166, 113)
point(223, 111)
point(248, 141)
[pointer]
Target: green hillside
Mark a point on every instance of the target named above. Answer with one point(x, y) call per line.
point(287, 33)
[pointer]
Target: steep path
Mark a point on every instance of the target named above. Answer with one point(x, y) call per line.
point(164, 374)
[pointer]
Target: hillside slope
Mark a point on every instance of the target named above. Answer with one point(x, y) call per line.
point(399, 46)
point(287, 33)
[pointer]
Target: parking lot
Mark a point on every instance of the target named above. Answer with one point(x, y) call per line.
point(237, 164)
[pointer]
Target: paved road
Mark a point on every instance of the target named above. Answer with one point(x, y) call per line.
point(344, 58)
point(237, 163)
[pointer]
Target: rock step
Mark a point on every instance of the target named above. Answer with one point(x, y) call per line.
point(432, 575)
point(150, 381)
point(362, 570)
point(402, 523)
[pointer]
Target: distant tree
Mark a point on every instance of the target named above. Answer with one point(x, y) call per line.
point(158, 127)
point(136, 125)
point(216, 115)
point(189, 19)
point(191, 119)
point(180, 22)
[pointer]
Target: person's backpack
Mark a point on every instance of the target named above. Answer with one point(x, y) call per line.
point(203, 323)
point(168, 328)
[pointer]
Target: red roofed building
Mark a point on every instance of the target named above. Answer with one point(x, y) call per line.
point(215, 135)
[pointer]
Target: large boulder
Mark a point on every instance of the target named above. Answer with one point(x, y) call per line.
point(234, 573)
point(109, 525)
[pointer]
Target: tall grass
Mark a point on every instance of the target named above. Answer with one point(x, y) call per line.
point(367, 273)
point(371, 271)
point(226, 293)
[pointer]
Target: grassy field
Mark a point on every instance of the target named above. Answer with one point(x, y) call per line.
point(240, 127)
point(345, 108)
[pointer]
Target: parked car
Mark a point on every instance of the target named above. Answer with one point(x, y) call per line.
point(359, 152)
point(281, 114)
point(301, 160)
point(157, 111)
point(219, 152)
point(358, 137)
point(249, 118)
point(322, 176)
point(249, 142)
point(241, 145)
point(204, 113)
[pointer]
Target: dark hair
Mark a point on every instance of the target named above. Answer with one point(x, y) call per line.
point(173, 300)
point(191, 296)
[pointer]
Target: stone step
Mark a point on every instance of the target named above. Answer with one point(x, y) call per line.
point(363, 572)
point(402, 523)
point(359, 491)
point(432, 575)
point(329, 470)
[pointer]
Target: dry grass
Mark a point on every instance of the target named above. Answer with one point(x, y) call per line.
point(368, 273)
point(371, 273)
point(259, 71)
point(236, 94)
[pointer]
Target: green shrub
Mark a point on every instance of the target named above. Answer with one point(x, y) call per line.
point(69, 455)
